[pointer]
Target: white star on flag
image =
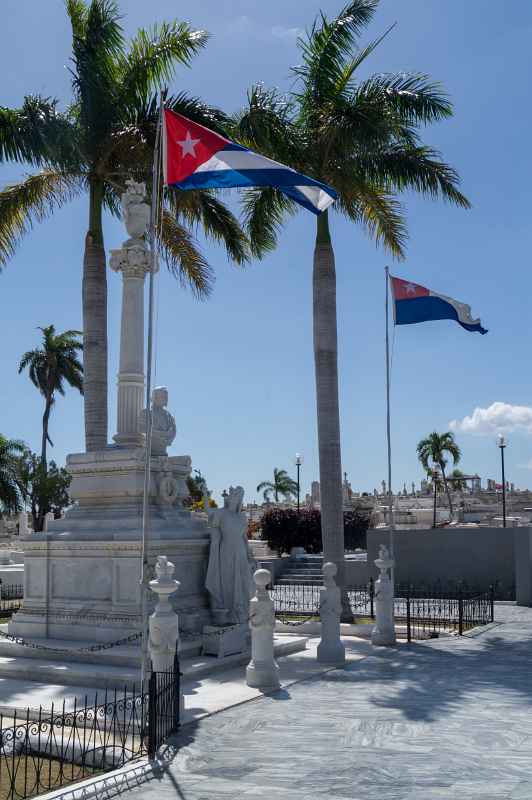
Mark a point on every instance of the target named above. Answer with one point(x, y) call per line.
point(188, 146)
point(410, 288)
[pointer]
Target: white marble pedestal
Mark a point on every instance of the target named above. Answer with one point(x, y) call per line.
point(219, 641)
point(82, 576)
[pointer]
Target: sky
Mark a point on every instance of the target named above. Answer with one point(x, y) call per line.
point(239, 366)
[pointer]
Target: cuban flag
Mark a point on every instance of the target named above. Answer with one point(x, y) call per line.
point(195, 157)
point(414, 303)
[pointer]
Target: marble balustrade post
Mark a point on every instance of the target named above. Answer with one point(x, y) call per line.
point(330, 649)
point(262, 671)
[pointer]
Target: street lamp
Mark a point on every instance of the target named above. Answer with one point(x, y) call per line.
point(298, 462)
point(501, 443)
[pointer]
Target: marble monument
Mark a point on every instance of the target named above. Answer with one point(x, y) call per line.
point(82, 576)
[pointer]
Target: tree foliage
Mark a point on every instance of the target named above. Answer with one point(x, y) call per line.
point(10, 497)
point(49, 367)
point(43, 489)
point(282, 485)
point(433, 451)
point(285, 528)
point(106, 134)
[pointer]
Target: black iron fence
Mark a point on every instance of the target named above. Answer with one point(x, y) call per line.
point(424, 610)
point(431, 610)
point(11, 597)
point(164, 697)
point(42, 750)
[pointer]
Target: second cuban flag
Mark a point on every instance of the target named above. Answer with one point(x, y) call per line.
point(414, 303)
point(195, 157)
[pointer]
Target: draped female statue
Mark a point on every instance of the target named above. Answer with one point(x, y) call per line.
point(230, 570)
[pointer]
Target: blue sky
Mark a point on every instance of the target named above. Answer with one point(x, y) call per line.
point(239, 367)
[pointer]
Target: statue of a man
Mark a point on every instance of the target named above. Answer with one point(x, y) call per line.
point(163, 430)
point(230, 572)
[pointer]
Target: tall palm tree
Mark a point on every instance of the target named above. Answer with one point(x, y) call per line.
point(10, 452)
point(362, 138)
point(432, 451)
point(106, 136)
point(282, 484)
point(49, 367)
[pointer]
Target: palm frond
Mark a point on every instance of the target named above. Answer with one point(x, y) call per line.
point(183, 257)
point(266, 124)
point(97, 47)
point(376, 208)
point(419, 168)
point(411, 97)
point(202, 209)
point(37, 133)
point(32, 200)
point(153, 55)
point(353, 64)
point(264, 211)
point(326, 47)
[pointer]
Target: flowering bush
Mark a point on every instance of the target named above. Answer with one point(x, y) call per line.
point(284, 528)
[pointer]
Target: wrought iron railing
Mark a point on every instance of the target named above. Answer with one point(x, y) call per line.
point(11, 596)
point(42, 750)
point(424, 610)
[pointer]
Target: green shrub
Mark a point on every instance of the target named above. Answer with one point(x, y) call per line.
point(284, 528)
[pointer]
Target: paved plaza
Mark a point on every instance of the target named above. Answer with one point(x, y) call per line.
point(450, 718)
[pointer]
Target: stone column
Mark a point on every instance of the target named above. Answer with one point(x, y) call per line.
point(164, 622)
point(133, 260)
point(384, 631)
point(134, 264)
point(330, 649)
point(262, 671)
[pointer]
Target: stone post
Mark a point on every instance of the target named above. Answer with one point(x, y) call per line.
point(163, 623)
point(23, 529)
point(133, 260)
point(330, 649)
point(262, 671)
point(384, 631)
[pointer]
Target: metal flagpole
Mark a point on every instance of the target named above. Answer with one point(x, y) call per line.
point(149, 358)
point(391, 519)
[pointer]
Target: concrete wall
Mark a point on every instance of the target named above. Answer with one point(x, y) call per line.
point(478, 556)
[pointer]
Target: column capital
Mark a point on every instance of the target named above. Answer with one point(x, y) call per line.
point(132, 262)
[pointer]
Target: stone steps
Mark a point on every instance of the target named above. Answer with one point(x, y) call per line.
point(107, 674)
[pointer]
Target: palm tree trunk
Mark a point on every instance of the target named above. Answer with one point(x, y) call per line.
point(447, 491)
point(95, 325)
point(328, 412)
point(45, 421)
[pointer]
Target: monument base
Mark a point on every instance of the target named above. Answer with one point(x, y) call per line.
point(82, 577)
point(221, 642)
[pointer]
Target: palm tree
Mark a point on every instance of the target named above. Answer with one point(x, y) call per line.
point(10, 452)
point(362, 138)
point(431, 452)
point(457, 479)
point(106, 136)
point(282, 484)
point(49, 367)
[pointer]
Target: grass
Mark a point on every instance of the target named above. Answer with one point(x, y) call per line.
point(36, 774)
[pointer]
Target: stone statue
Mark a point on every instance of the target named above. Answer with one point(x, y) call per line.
point(163, 430)
point(230, 572)
point(135, 212)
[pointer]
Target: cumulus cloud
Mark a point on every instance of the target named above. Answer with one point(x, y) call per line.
point(286, 33)
point(499, 417)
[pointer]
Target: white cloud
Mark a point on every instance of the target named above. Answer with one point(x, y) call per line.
point(499, 417)
point(286, 33)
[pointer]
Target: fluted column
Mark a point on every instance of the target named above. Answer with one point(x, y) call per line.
point(130, 400)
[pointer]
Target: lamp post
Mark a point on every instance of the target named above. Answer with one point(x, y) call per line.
point(298, 462)
point(501, 443)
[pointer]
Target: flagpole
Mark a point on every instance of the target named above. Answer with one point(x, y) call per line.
point(144, 587)
point(391, 520)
